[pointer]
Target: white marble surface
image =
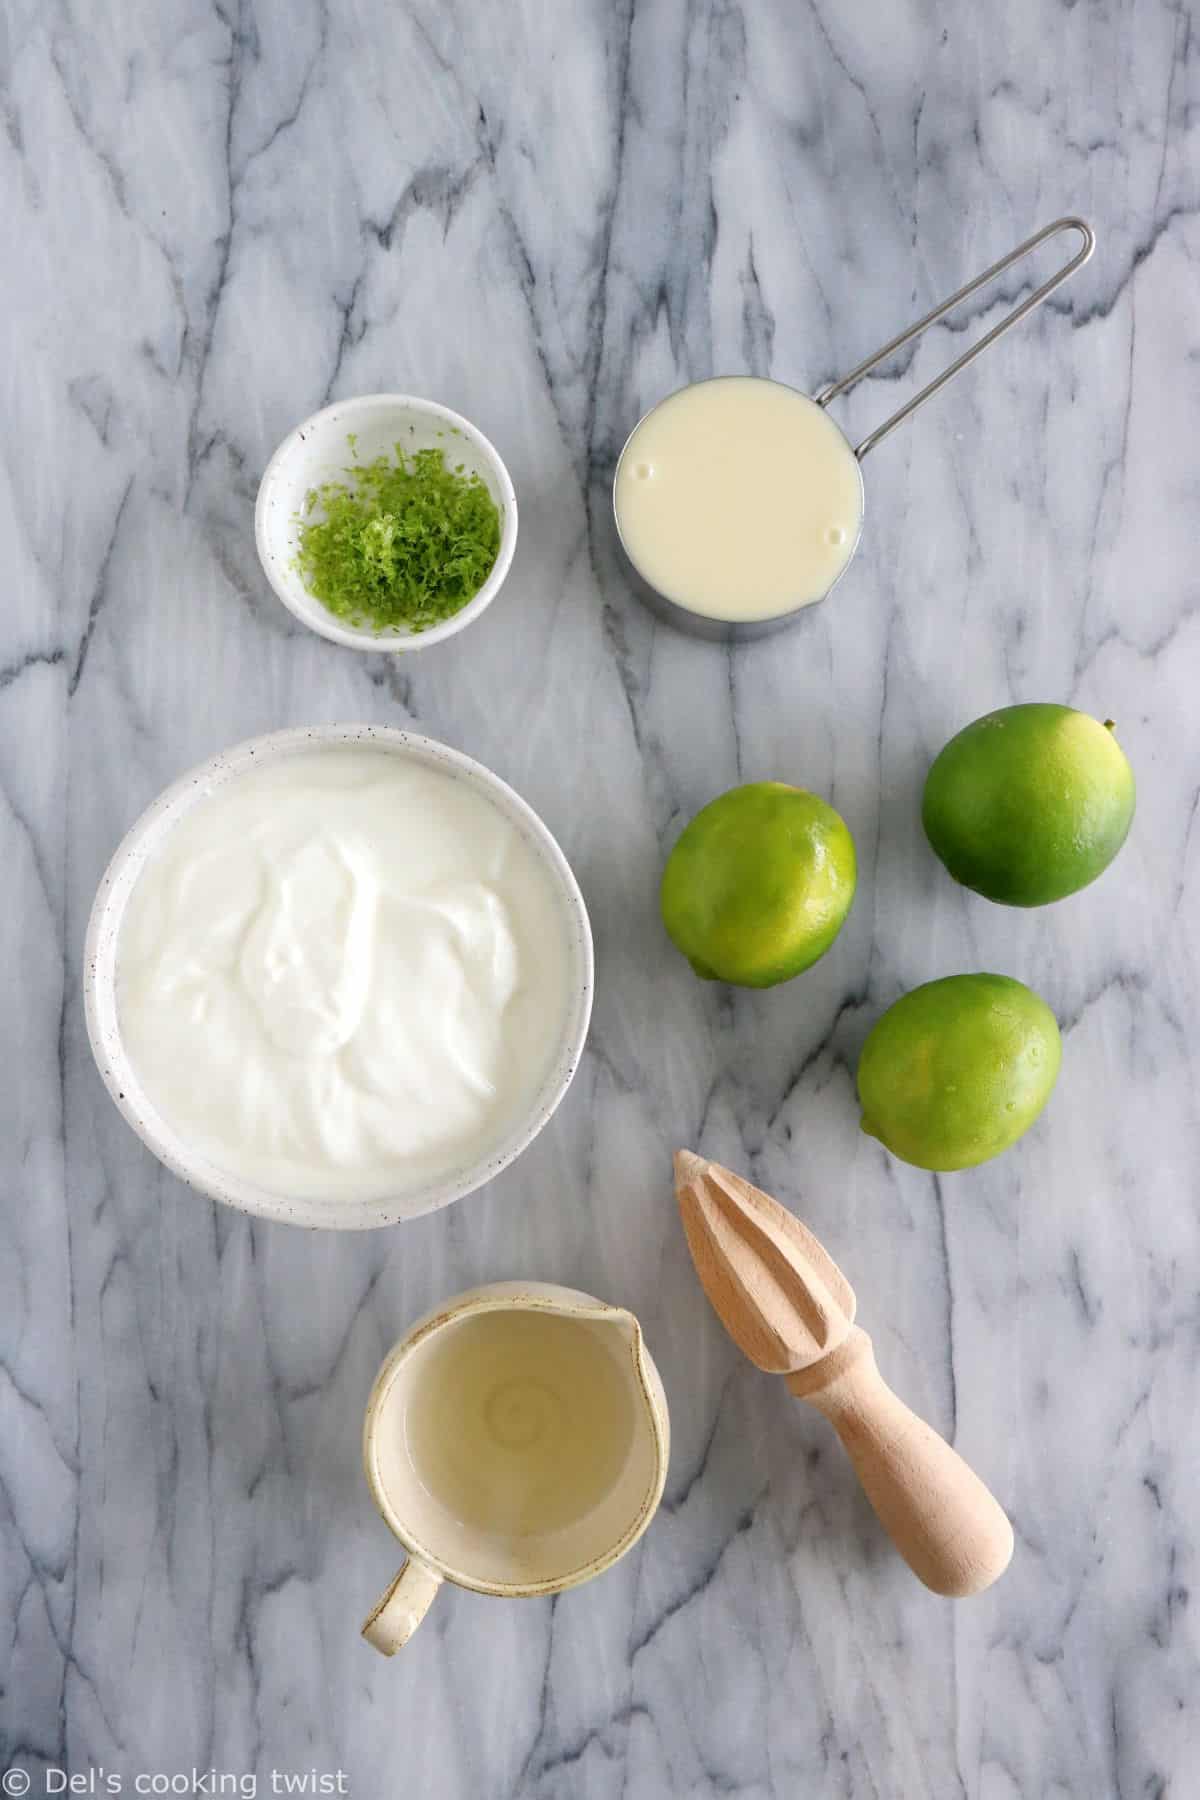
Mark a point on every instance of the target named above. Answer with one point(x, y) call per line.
point(217, 217)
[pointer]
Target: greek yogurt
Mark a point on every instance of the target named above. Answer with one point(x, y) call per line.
point(342, 971)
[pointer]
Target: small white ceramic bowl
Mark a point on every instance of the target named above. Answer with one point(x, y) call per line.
point(146, 837)
point(319, 451)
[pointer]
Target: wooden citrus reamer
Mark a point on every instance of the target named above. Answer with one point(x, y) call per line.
point(788, 1307)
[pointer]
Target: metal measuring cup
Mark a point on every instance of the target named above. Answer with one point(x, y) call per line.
point(738, 630)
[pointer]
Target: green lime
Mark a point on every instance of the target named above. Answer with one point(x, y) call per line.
point(957, 1070)
point(758, 886)
point(1029, 804)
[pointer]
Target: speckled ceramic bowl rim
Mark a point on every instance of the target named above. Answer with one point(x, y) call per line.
point(99, 979)
point(286, 582)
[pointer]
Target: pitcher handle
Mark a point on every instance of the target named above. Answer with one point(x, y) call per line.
point(1014, 318)
point(396, 1616)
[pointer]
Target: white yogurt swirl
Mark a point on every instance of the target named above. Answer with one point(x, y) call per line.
point(340, 972)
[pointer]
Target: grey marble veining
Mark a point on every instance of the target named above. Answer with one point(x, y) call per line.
point(216, 218)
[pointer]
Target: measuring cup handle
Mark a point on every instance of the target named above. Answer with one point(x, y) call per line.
point(397, 1615)
point(939, 312)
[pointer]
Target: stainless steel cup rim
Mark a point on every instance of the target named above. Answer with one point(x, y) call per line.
point(698, 624)
point(676, 612)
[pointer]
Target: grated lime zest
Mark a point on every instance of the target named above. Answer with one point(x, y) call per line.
point(403, 541)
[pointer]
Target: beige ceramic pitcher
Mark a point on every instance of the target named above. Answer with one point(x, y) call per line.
point(516, 1442)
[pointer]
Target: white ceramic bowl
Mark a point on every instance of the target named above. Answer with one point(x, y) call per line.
point(319, 451)
point(567, 1034)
